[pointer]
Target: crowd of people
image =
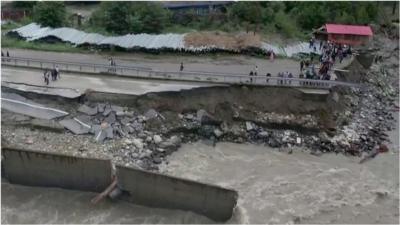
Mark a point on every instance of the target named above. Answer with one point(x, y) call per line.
point(330, 53)
point(53, 73)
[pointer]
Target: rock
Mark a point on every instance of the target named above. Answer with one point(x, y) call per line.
point(204, 118)
point(189, 116)
point(176, 140)
point(160, 149)
point(157, 139)
point(100, 107)
point(250, 126)
point(138, 143)
point(298, 140)
point(218, 132)
point(149, 139)
point(150, 114)
point(110, 119)
point(87, 110)
point(29, 141)
point(335, 97)
point(263, 134)
point(127, 142)
point(157, 160)
point(118, 110)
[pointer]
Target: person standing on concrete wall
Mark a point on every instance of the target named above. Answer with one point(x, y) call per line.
point(251, 76)
point(181, 68)
point(268, 75)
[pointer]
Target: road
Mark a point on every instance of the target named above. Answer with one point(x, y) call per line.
point(235, 64)
point(98, 83)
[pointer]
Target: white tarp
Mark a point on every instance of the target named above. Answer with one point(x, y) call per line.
point(33, 32)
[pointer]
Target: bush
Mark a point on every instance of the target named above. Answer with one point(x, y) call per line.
point(52, 14)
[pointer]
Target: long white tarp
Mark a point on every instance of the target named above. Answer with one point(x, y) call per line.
point(34, 31)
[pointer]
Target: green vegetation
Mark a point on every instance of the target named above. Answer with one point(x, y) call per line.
point(291, 19)
point(50, 13)
point(11, 42)
point(130, 17)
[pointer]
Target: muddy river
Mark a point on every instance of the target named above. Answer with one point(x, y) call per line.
point(273, 186)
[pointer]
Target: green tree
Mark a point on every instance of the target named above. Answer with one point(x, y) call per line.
point(24, 4)
point(50, 13)
point(362, 16)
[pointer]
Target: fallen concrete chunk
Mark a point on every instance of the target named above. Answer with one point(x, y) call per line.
point(118, 110)
point(159, 190)
point(250, 126)
point(100, 107)
point(107, 110)
point(18, 104)
point(87, 110)
point(56, 91)
point(75, 126)
point(47, 124)
point(110, 119)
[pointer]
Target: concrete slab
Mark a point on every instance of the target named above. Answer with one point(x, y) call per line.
point(159, 190)
point(75, 126)
point(87, 110)
point(56, 91)
point(44, 169)
point(18, 104)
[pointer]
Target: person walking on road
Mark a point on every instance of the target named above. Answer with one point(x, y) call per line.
point(181, 68)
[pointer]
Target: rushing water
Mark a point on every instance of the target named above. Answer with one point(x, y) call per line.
point(274, 187)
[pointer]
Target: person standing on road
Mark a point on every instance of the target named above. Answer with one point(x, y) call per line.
point(8, 56)
point(251, 76)
point(301, 65)
point(46, 76)
point(2, 56)
point(181, 68)
point(268, 75)
point(57, 73)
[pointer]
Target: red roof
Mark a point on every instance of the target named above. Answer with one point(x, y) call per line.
point(348, 29)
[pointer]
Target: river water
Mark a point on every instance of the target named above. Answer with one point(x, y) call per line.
point(273, 186)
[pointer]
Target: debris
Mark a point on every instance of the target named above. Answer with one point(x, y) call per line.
point(87, 110)
point(75, 126)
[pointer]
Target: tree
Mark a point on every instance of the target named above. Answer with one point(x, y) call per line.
point(131, 17)
point(51, 13)
point(24, 4)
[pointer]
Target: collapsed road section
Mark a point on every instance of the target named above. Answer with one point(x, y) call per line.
point(44, 169)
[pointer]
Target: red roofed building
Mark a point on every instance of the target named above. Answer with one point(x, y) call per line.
point(344, 34)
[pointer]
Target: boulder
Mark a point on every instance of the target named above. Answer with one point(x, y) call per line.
point(138, 143)
point(157, 139)
point(87, 110)
point(205, 118)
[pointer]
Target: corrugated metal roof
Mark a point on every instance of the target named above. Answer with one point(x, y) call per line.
point(348, 29)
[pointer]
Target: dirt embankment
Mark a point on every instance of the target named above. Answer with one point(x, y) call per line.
point(223, 40)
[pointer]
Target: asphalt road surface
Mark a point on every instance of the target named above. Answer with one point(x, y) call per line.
point(97, 83)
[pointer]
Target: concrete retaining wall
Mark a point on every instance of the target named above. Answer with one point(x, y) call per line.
point(45, 169)
point(155, 190)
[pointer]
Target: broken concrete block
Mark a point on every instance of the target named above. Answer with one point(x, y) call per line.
point(87, 110)
point(250, 126)
point(100, 107)
point(117, 109)
point(47, 124)
point(110, 119)
point(75, 126)
point(107, 110)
